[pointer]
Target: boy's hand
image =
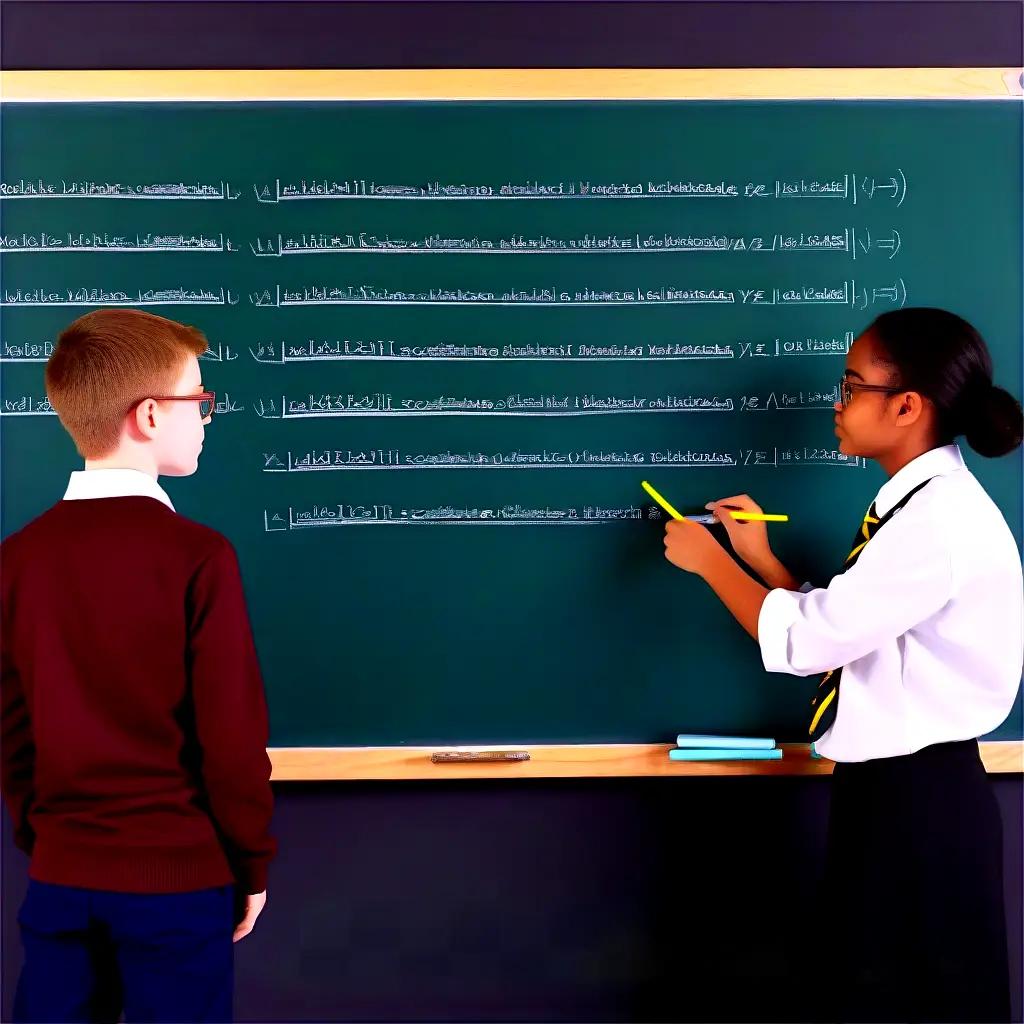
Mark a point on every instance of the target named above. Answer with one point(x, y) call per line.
point(749, 539)
point(690, 546)
point(254, 904)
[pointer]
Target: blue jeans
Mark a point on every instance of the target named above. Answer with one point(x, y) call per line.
point(89, 956)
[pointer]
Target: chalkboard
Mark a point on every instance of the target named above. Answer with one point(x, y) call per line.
point(450, 339)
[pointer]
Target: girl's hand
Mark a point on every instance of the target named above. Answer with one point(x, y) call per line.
point(690, 546)
point(749, 539)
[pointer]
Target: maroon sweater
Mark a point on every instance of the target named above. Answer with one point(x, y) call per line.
point(134, 721)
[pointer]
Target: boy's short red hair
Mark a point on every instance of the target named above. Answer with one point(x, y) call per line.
point(106, 362)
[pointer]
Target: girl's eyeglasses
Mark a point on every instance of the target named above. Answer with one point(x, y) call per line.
point(847, 388)
point(207, 401)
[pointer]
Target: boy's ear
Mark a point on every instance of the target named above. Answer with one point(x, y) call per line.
point(145, 418)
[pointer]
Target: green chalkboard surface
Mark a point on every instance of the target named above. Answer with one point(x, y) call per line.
point(450, 339)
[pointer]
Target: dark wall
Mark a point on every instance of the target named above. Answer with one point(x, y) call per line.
point(544, 33)
point(608, 900)
point(660, 899)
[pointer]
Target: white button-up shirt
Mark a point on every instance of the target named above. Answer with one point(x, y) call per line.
point(114, 483)
point(928, 624)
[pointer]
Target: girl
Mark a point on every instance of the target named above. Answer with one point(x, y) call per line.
point(919, 640)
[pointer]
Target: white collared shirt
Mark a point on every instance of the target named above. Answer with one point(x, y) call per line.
point(114, 483)
point(928, 624)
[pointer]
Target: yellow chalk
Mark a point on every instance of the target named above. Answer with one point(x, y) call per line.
point(760, 517)
point(660, 500)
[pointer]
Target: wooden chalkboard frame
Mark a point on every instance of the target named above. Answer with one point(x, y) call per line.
point(512, 84)
point(549, 761)
point(546, 760)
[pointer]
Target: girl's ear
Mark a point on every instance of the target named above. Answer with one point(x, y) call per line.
point(911, 407)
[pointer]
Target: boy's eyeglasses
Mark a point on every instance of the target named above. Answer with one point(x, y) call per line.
point(207, 401)
point(847, 388)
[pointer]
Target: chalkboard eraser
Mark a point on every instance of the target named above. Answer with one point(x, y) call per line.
point(478, 756)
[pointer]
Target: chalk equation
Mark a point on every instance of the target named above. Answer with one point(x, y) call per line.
point(845, 240)
point(317, 406)
point(61, 188)
point(283, 520)
point(388, 349)
point(81, 241)
point(46, 296)
point(850, 186)
point(845, 293)
point(332, 460)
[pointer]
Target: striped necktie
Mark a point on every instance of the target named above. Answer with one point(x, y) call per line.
point(826, 698)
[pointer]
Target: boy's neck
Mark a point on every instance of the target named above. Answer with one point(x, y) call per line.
point(124, 460)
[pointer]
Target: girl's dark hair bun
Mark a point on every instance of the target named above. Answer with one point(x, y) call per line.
point(994, 422)
point(940, 355)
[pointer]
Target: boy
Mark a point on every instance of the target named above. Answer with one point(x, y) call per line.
point(134, 725)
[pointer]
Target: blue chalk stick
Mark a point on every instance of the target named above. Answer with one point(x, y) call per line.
point(721, 754)
point(685, 739)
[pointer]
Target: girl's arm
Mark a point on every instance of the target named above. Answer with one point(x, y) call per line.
point(750, 541)
point(693, 548)
point(775, 574)
point(740, 593)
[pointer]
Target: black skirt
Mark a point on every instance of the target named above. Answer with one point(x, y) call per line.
point(912, 921)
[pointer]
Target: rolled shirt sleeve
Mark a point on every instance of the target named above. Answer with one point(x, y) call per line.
point(902, 577)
